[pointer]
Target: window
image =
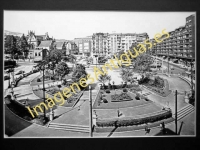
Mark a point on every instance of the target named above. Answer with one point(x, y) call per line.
point(38, 54)
point(35, 54)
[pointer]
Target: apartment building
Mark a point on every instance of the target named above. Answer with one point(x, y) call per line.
point(84, 45)
point(105, 44)
point(180, 45)
point(71, 48)
point(99, 44)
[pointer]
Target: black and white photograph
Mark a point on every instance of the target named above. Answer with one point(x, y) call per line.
point(99, 74)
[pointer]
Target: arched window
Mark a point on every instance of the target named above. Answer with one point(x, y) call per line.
point(36, 54)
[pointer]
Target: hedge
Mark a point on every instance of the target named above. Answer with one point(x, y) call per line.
point(129, 121)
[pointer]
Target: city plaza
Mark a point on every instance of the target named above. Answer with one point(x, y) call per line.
point(96, 111)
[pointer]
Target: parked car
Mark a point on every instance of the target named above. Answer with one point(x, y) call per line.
point(20, 72)
point(6, 77)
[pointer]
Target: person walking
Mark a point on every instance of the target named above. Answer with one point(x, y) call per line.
point(147, 129)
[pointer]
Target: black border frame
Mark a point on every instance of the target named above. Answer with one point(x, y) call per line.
point(107, 5)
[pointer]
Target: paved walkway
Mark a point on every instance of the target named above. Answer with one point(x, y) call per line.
point(79, 115)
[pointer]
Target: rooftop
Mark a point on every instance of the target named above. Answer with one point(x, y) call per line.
point(58, 43)
point(45, 44)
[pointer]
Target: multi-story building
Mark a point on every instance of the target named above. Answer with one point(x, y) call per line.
point(105, 44)
point(71, 48)
point(180, 45)
point(84, 45)
point(99, 44)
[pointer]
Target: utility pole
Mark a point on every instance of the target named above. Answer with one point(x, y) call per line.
point(43, 81)
point(90, 112)
point(162, 64)
point(156, 60)
point(176, 112)
point(168, 61)
point(191, 79)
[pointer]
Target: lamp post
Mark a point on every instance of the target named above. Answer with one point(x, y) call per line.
point(168, 61)
point(12, 91)
point(176, 111)
point(156, 60)
point(43, 69)
point(90, 112)
point(13, 73)
point(162, 64)
point(9, 79)
point(191, 77)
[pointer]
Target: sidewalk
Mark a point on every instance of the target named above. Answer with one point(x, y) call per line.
point(171, 63)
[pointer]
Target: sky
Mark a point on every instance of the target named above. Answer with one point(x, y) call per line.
point(75, 24)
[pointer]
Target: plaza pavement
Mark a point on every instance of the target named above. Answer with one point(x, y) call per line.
point(80, 113)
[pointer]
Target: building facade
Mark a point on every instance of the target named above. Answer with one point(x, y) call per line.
point(83, 45)
point(105, 44)
point(34, 40)
point(180, 45)
point(71, 48)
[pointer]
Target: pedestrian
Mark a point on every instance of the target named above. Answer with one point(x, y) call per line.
point(147, 129)
point(118, 112)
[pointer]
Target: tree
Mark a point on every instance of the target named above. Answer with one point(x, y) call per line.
point(55, 55)
point(126, 75)
point(62, 69)
point(70, 58)
point(104, 78)
point(52, 66)
point(23, 45)
point(79, 72)
point(10, 45)
point(142, 63)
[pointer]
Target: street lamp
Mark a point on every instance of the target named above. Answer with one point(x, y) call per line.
point(12, 91)
point(90, 112)
point(192, 77)
point(168, 61)
point(13, 73)
point(43, 69)
point(176, 111)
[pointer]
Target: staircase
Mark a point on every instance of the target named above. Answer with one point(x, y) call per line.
point(185, 111)
point(69, 127)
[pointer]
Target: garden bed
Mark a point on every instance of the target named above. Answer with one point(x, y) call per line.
point(120, 97)
point(162, 92)
point(71, 101)
point(159, 85)
point(104, 100)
